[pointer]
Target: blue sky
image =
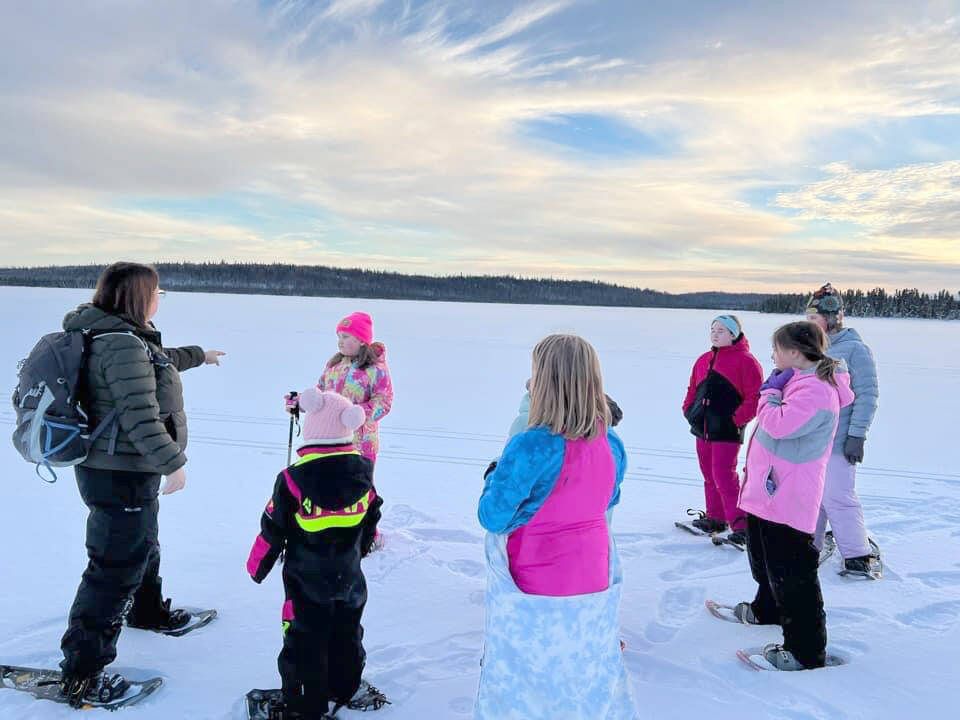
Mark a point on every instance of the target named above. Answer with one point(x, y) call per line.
point(682, 146)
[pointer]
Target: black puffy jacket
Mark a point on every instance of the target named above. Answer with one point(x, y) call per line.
point(138, 377)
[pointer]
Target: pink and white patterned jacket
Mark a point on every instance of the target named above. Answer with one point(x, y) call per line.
point(370, 388)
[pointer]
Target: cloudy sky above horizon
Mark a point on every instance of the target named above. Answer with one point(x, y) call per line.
point(680, 145)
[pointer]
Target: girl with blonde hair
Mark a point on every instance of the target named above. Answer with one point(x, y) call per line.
point(554, 582)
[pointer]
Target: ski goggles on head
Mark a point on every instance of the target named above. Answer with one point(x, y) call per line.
point(825, 300)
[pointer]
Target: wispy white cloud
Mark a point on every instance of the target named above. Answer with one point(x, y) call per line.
point(397, 123)
point(919, 201)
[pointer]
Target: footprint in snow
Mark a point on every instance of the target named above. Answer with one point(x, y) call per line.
point(444, 535)
point(938, 617)
point(677, 606)
point(937, 579)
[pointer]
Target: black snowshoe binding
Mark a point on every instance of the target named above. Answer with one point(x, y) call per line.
point(707, 524)
point(366, 698)
point(738, 537)
point(100, 688)
point(866, 566)
point(161, 619)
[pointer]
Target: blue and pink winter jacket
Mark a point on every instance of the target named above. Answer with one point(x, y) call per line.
point(551, 496)
point(789, 450)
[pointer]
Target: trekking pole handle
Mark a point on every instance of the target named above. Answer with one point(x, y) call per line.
point(294, 417)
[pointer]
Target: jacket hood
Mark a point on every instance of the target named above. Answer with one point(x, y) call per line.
point(842, 376)
point(89, 317)
point(381, 350)
point(335, 481)
point(845, 335)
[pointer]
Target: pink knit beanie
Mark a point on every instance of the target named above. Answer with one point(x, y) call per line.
point(331, 418)
point(358, 324)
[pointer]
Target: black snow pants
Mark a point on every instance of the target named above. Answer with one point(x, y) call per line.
point(322, 657)
point(123, 568)
point(784, 564)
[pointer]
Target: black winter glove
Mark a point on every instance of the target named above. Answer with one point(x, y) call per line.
point(490, 468)
point(616, 414)
point(853, 449)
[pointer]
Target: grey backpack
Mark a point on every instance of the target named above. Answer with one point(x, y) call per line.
point(51, 426)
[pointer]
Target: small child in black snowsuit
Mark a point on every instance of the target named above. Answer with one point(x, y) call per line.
point(323, 514)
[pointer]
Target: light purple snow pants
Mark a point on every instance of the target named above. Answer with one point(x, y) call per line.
point(841, 506)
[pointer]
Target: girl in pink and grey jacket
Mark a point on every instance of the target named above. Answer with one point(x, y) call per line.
point(783, 485)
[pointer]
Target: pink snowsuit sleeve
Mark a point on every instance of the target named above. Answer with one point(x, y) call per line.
point(381, 396)
point(782, 418)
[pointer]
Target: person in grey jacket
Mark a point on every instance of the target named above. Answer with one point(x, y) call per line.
point(126, 369)
point(841, 505)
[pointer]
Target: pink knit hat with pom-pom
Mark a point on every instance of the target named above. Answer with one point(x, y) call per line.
point(331, 418)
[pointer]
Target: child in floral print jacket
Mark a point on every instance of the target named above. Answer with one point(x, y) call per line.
point(359, 372)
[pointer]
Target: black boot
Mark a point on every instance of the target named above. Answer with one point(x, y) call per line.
point(99, 687)
point(738, 537)
point(709, 525)
point(160, 618)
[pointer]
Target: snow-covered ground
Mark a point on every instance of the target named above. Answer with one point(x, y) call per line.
point(458, 372)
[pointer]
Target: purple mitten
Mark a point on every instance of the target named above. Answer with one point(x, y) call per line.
point(777, 380)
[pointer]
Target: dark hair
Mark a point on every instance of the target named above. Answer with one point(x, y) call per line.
point(811, 341)
point(127, 288)
point(366, 356)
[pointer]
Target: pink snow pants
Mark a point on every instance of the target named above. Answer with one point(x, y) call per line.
point(841, 506)
point(721, 484)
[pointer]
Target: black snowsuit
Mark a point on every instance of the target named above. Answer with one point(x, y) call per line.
point(323, 515)
point(784, 563)
point(120, 479)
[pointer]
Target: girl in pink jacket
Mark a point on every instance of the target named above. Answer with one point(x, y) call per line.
point(358, 371)
point(783, 485)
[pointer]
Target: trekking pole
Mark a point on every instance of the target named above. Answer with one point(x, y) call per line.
point(294, 418)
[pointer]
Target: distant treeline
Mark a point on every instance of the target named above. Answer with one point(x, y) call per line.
point(317, 280)
point(908, 303)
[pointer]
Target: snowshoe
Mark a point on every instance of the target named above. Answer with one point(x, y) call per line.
point(101, 690)
point(366, 698)
point(737, 539)
point(774, 657)
point(269, 705)
point(739, 613)
point(701, 525)
point(829, 546)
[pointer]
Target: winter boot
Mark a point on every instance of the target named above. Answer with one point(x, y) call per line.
point(709, 525)
point(98, 687)
point(738, 537)
point(161, 618)
point(863, 564)
point(781, 659)
point(743, 612)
